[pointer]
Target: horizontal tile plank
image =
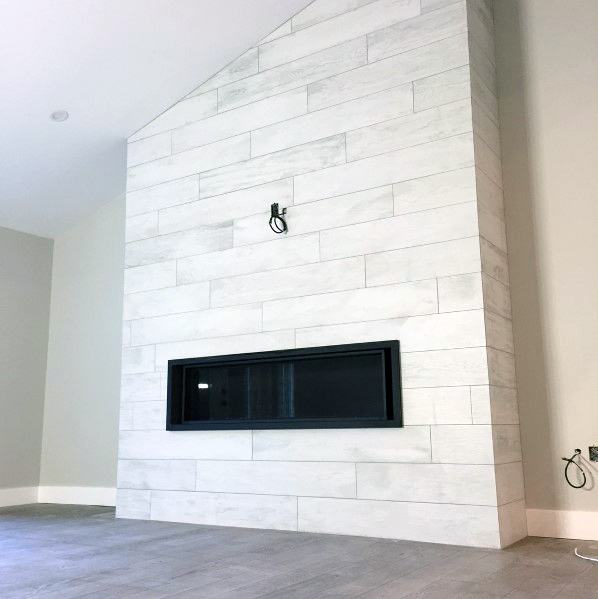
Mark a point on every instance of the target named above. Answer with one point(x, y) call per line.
point(353, 114)
point(295, 74)
point(184, 445)
point(183, 164)
point(324, 277)
point(401, 165)
point(407, 230)
point(262, 257)
point(197, 325)
point(221, 509)
point(410, 444)
point(390, 72)
point(280, 165)
point(375, 303)
point(325, 479)
point(336, 30)
point(240, 120)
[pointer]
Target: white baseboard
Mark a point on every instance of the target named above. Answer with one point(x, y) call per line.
point(18, 496)
point(562, 524)
point(77, 495)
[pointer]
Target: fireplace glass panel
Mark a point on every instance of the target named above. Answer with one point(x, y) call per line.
point(355, 385)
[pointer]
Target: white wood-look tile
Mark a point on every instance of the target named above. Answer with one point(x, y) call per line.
point(507, 443)
point(487, 160)
point(430, 483)
point(285, 29)
point(497, 296)
point(149, 415)
point(509, 482)
point(427, 522)
point(423, 262)
point(417, 128)
point(442, 88)
point(125, 417)
point(234, 205)
point(179, 245)
point(437, 405)
point(501, 368)
point(494, 405)
point(499, 332)
point(435, 191)
point(133, 504)
point(401, 165)
point(409, 444)
point(396, 70)
point(294, 74)
point(375, 303)
point(420, 31)
point(512, 521)
point(485, 97)
point(319, 479)
point(279, 165)
point(164, 195)
point(353, 114)
point(234, 344)
point(183, 112)
point(150, 148)
point(262, 257)
point(494, 261)
point(407, 230)
point(221, 509)
point(185, 445)
point(240, 120)
point(361, 206)
point(462, 444)
point(460, 292)
point(331, 32)
point(196, 325)
point(183, 164)
point(416, 333)
point(141, 226)
point(151, 276)
point(324, 277)
point(243, 66)
point(452, 367)
point(140, 387)
point(138, 359)
point(429, 5)
point(126, 334)
point(170, 475)
point(322, 10)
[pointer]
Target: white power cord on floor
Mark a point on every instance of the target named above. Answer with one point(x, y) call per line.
point(589, 552)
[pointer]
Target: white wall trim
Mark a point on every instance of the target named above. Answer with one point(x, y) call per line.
point(563, 524)
point(18, 496)
point(78, 495)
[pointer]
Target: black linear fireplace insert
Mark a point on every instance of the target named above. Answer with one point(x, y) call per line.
point(339, 386)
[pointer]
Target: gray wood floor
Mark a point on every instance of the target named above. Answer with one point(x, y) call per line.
point(76, 551)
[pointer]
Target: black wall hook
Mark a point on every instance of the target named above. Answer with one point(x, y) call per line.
point(277, 221)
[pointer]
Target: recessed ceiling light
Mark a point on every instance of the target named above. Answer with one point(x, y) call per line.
point(59, 116)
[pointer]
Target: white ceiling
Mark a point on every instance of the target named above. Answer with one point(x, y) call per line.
point(113, 65)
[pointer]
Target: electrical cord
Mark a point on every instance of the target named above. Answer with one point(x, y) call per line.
point(570, 461)
point(277, 222)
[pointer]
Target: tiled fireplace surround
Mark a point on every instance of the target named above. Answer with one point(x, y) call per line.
point(375, 123)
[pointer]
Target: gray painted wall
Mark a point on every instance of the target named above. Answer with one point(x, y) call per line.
point(25, 274)
point(82, 390)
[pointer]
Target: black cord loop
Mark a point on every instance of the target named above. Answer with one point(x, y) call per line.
point(570, 461)
point(277, 222)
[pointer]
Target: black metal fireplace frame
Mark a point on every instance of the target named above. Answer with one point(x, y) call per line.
point(389, 351)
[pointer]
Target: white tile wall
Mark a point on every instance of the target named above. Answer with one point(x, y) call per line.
point(374, 122)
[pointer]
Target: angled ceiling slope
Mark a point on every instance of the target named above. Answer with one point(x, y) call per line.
point(113, 66)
